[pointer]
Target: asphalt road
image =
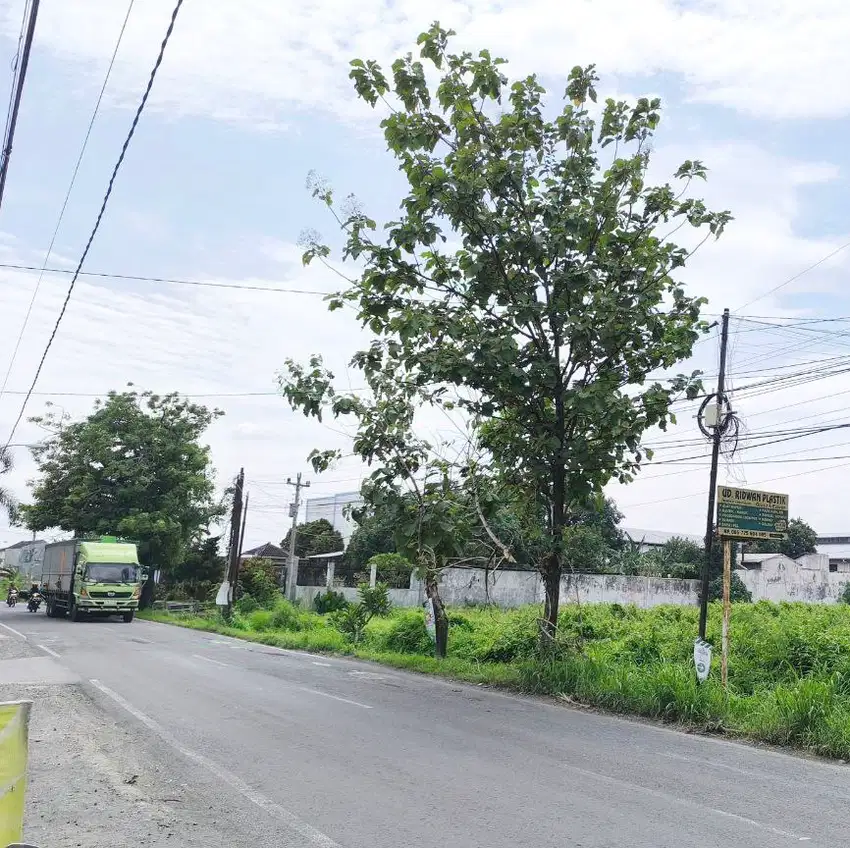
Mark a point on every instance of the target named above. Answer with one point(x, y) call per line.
point(282, 748)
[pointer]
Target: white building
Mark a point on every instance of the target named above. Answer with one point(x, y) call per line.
point(836, 546)
point(334, 508)
point(776, 577)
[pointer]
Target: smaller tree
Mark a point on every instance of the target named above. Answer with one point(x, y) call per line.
point(352, 619)
point(802, 539)
point(314, 537)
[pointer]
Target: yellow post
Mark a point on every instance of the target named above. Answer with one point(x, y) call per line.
point(14, 724)
point(727, 609)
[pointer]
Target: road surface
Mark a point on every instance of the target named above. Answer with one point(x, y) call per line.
point(238, 743)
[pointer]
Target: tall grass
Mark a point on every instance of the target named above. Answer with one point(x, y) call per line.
point(789, 664)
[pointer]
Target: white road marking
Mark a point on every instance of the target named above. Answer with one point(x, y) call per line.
point(294, 822)
point(50, 651)
point(334, 697)
point(324, 665)
point(685, 802)
point(16, 632)
point(210, 660)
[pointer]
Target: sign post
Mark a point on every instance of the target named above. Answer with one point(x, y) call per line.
point(727, 610)
point(745, 515)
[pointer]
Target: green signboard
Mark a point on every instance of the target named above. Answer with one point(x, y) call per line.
point(751, 514)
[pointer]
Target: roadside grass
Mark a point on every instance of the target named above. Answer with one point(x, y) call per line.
point(789, 664)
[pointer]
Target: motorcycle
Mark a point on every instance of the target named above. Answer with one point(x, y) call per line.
point(34, 602)
point(12, 598)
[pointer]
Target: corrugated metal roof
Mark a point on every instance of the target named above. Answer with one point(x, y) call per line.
point(657, 537)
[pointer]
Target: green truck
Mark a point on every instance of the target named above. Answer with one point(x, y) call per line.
point(84, 579)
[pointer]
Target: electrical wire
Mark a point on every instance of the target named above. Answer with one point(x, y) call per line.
point(65, 201)
point(170, 280)
point(795, 277)
point(100, 214)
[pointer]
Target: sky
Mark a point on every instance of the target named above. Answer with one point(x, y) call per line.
point(252, 97)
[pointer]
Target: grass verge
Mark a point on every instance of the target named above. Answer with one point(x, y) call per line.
point(789, 663)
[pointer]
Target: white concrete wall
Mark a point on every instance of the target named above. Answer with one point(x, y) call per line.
point(509, 588)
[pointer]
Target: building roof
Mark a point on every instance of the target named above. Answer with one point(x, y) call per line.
point(23, 544)
point(658, 537)
point(267, 551)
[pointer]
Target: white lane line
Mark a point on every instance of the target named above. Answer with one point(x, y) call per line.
point(210, 660)
point(334, 697)
point(50, 651)
point(685, 802)
point(16, 632)
point(323, 665)
point(294, 822)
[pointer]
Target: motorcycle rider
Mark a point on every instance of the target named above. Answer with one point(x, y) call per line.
point(12, 594)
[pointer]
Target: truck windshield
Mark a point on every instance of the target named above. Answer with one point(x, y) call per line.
point(108, 572)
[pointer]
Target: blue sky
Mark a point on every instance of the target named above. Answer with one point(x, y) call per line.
point(251, 99)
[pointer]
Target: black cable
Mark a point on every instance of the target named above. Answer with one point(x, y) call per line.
point(101, 213)
point(795, 277)
point(65, 202)
point(143, 279)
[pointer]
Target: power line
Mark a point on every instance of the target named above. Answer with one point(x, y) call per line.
point(102, 211)
point(170, 280)
point(21, 66)
point(795, 277)
point(65, 201)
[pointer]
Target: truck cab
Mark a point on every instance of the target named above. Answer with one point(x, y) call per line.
point(92, 578)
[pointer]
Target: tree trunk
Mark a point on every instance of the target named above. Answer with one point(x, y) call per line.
point(441, 620)
point(552, 566)
point(551, 602)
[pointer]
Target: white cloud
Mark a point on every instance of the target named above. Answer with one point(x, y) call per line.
point(264, 60)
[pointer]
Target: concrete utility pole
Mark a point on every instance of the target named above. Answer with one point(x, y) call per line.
point(292, 565)
point(717, 435)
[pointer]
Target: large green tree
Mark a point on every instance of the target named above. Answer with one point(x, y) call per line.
point(531, 269)
point(802, 539)
point(314, 537)
point(135, 468)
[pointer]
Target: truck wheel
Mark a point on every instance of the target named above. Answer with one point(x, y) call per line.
point(75, 613)
point(128, 616)
point(51, 609)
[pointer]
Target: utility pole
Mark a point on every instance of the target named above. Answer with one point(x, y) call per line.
point(292, 566)
point(244, 521)
point(233, 548)
point(16, 102)
point(716, 437)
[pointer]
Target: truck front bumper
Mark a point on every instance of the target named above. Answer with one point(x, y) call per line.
point(109, 605)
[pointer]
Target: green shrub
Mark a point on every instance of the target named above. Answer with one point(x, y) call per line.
point(287, 616)
point(392, 569)
point(738, 591)
point(261, 620)
point(257, 578)
point(403, 633)
point(246, 604)
point(352, 621)
point(329, 601)
point(845, 595)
